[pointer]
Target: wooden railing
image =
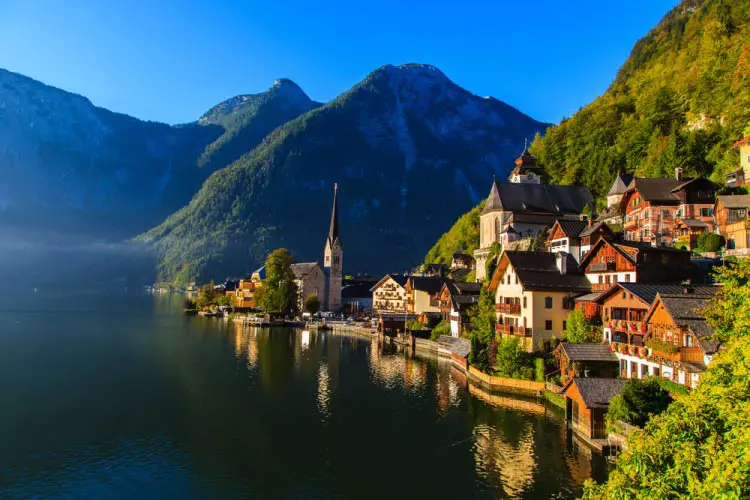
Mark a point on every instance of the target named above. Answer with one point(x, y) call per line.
point(602, 266)
point(508, 308)
point(519, 331)
point(622, 325)
point(684, 354)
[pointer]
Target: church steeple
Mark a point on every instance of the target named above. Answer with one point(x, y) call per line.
point(333, 230)
point(333, 257)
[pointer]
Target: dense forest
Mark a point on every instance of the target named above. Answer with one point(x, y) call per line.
point(681, 99)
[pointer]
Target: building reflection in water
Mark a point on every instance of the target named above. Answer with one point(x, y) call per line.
point(510, 467)
point(246, 344)
point(392, 368)
point(324, 391)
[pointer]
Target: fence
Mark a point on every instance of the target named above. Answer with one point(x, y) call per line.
point(507, 383)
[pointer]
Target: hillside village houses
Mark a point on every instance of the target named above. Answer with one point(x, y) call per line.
point(456, 299)
point(389, 294)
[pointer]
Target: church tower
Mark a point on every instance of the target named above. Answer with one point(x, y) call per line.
point(333, 259)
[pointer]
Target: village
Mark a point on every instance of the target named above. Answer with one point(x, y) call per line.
point(557, 299)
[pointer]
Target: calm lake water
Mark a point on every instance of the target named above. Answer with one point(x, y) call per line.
point(127, 398)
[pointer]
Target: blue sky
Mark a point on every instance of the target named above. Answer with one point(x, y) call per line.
point(169, 60)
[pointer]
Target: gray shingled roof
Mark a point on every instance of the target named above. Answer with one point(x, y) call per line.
point(597, 392)
point(429, 284)
point(542, 198)
point(593, 228)
point(735, 201)
point(656, 189)
point(572, 228)
point(302, 269)
point(620, 185)
point(589, 297)
point(683, 308)
point(693, 223)
point(458, 346)
point(538, 271)
point(468, 288)
point(588, 352)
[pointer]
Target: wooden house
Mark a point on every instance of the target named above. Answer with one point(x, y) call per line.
point(586, 404)
point(534, 293)
point(652, 207)
point(593, 233)
point(586, 360)
point(423, 294)
point(456, 299)
point(732, 222)
point(565, 237)
point(687, 231)
point(611, 262)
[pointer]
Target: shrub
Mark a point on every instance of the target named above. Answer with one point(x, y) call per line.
point(442, 328)
point(539, 369)
point(639, 400)
point(712, 242)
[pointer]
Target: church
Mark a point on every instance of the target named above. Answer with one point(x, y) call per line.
point(325, 283)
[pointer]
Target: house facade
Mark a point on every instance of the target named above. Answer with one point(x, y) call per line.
point(586, 361)
point(731, 213)
point(456, 299)
point(534, 293)
point(524, 207)
point(423, 294)
point(611, 262)
point(389, 294)
point(741, 176)
point(652, 207)
point(586, 404)
point(565, 237)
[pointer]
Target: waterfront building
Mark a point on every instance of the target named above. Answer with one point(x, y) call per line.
point(586, 404)
point(534, 293)
point(456, 299)
point(310, 280)
point(389, 294)
point(423, 294)
point(652, 207)
point(586, 361)
point(524, 207)
point(333, 260)
point(356, 296)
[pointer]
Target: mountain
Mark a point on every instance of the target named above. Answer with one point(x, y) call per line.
point(681, 99)
point(68, 164)
point(409, 148)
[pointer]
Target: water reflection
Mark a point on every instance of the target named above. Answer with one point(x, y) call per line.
point(509, 466)
point(392, 368)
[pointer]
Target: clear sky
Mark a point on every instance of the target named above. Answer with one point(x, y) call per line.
point(171, 60)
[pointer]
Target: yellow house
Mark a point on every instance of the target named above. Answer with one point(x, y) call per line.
point(534, 293)
point(423, 294)
point(741, 176)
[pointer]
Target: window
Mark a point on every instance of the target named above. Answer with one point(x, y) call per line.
point(524, 303)
point(565, 324)
point(548, 324)
point(627, 277)
point(624, 295)
point(548, 303)
point(565, 303)
point(657, 371)
point(707, 212)
point(601, 279)
point(644, 370)
point(687, 340)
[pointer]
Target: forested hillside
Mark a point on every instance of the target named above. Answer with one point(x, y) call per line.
point(462, 236)
point(681, 99)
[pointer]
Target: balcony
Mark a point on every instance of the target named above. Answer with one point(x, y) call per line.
point(621, 325)
point(601, 287)
point(597, 267)
point(508, 308)
point(678, 355)
point(518, 331)
point(629, 349)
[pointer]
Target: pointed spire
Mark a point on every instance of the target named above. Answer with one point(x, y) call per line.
point(333, 231)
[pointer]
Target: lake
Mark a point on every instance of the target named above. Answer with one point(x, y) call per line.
point(124, 397)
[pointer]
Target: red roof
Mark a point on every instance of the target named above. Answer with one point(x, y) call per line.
point(742, 142)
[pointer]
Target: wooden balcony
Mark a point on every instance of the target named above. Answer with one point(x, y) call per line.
point(601, 287)
point(618, 325)
point(684, 354)
point(629, 349)
point(508, 308)
point(518, 331)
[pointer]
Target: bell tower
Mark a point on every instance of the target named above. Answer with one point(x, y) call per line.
point(333, 256)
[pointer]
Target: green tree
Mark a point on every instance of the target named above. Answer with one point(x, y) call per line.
point(512, 360)
point(442, 328)
point(312, 304)
point(579, 330)
point(279, 289)
point(639, 400)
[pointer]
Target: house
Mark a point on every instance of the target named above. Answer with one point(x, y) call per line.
point(433, 270)
point(524, 207)
point(462, 261)
point(565, 237)
point(653, 206)
point(586, 404)
point(389, 294)
point(534, 293)
point(731, 213)
point(593, 233)
point(356, 296)
point(610, 262)
point(687, 231)
point(310, 280)
point(586, 360)
point(741, 176)
point(392, 324)
point(423, 294)
point(618, 189)
point(244, 294)
point(456, 299)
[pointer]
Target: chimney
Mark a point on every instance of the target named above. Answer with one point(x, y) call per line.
point(678, 173)
point(562, 262)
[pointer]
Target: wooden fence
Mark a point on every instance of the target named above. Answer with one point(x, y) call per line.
point(507, 383)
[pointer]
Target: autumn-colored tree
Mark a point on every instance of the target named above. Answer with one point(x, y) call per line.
point(279, 289)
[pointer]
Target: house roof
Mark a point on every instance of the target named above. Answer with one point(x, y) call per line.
point(589, 297)
point(360, 290)
point(302, 269)
point(464, 302)
point(467, 288)
point(620, 185)
point(537, 198)
point(429, 284)
point(588, 352)
point(655, 189)
point(647, 292)
point(693, 223)
point(734, 201)
point(400, 279)
point(456, 345)
point(463, 256)
point(538, 271)
point(571, 228)
point(683, 309)
point(261, 272)
point(622, 246)
point(597, 392)
point(589, 230)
